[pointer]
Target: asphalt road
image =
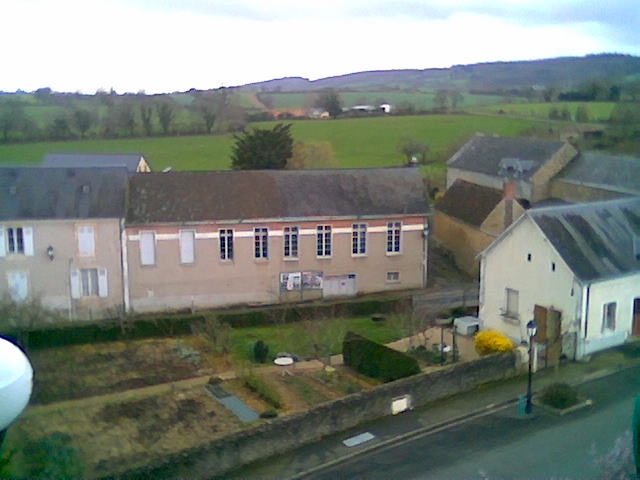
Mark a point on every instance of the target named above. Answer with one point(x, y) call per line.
point(506, 445)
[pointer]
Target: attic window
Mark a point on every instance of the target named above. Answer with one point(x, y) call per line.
point(528, 257)
point(553, 266)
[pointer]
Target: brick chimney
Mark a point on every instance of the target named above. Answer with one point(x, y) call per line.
point(509, 194)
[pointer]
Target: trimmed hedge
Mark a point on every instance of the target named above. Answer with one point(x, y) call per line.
point(165, 325)
point(376, 360)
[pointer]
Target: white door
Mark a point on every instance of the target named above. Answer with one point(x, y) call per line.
point(18, 285)
point(339, 286)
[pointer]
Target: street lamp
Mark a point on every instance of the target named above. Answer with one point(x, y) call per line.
point(532, 329)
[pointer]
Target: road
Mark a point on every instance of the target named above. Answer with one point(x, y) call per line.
point(506, 445)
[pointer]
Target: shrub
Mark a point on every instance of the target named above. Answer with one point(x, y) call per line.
point(559, 395)
point(260, 351)
point(492, 341)
point(270, 413)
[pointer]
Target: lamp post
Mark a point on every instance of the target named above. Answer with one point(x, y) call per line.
point(532, 329)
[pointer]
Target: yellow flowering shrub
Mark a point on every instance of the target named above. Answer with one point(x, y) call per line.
point(492, 341)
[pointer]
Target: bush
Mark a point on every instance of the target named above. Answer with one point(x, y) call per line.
point(375, 360)
point(271, 413)
point(260, 351)
point(492, 341)
point(559, 395)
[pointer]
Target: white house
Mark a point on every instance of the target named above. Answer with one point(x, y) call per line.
point(575, 269)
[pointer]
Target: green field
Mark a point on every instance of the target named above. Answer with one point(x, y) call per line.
point(363, 142)
point(598, 111)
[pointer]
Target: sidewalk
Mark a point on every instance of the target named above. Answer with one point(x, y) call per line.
point(438, 415)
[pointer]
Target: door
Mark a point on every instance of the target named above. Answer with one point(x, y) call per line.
point(636, 316)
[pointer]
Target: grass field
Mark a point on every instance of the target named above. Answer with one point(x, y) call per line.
point(363, 142)
point(598, 111)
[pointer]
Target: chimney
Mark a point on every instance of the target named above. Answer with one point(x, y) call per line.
point(509, 193)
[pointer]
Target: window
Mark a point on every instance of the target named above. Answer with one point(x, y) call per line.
point(16, 241)
point(359, 239)
point(261, 244)
point(226, 244)
point(528, 257)
point(86, 241)
point(609, 316)
point(553, 266)
point(393, 277)
point(290, 242)
point(147, 248)
point(323, 240)
point(511, 303)
point(187, 246)
point(393, 237)
point(89, 282)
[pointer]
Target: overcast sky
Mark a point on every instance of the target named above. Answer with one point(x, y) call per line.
point(161, 46)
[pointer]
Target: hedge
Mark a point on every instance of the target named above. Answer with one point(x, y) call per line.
point(376, 360)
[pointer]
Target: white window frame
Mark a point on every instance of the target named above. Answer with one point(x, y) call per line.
point(609, 311)
point(324, 241)
point(147, 247)
point(86, 240)
point(225, 237)
point(359, 239)
point(187, 246)
point(89, 283)
point(290, 242)
point(261, 243)
point(394, 238)
point(16, 240)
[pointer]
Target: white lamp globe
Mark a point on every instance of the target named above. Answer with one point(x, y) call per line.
point(16, 382)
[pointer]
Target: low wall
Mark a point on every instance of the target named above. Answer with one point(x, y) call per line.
point(248, 446)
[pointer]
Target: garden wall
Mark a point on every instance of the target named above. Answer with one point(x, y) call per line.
point(248, 446)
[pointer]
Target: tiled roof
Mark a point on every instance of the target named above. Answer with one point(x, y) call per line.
point(469, 202)
point(597, 240)
point(270, 194)
point(610, 172)
point(78, 160)
point(485, 154)
point(57, 193)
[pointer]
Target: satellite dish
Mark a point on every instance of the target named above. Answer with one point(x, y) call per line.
point(16, 382)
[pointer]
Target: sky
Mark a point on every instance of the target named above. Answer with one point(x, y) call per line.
point(162, 46)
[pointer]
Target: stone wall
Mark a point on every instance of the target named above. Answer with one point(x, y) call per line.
point(254, 444)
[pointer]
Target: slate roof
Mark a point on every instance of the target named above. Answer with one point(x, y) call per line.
point(469, 202)
point(615, 173)
point(61, 193)
point(486, 154)
point(597, 240)
point(78, 160)
point(274, 194)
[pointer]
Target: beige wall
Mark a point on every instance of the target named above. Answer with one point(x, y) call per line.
point(210, 282)
point(464, 241)
point(49, 280)
point(508, 265)
point(542, 178)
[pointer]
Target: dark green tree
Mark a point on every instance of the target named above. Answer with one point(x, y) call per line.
point(146, 111)
point(330, 100)
point(165, 116)
point(83, 120)
point(262, 148)
point(260, 351)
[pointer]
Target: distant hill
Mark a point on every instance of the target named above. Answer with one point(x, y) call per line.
point(566, 72)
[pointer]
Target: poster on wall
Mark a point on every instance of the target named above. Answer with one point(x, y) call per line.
point(292, 281)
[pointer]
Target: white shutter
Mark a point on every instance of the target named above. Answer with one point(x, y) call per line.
point(27, 238)
point(147, 248)
point(74, 282)
point(86, 241)
point(187, 246)
point(18, 285)
point(103, 289)
point(3, 248)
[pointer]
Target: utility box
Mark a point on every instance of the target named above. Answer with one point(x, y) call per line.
point(467, 326)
